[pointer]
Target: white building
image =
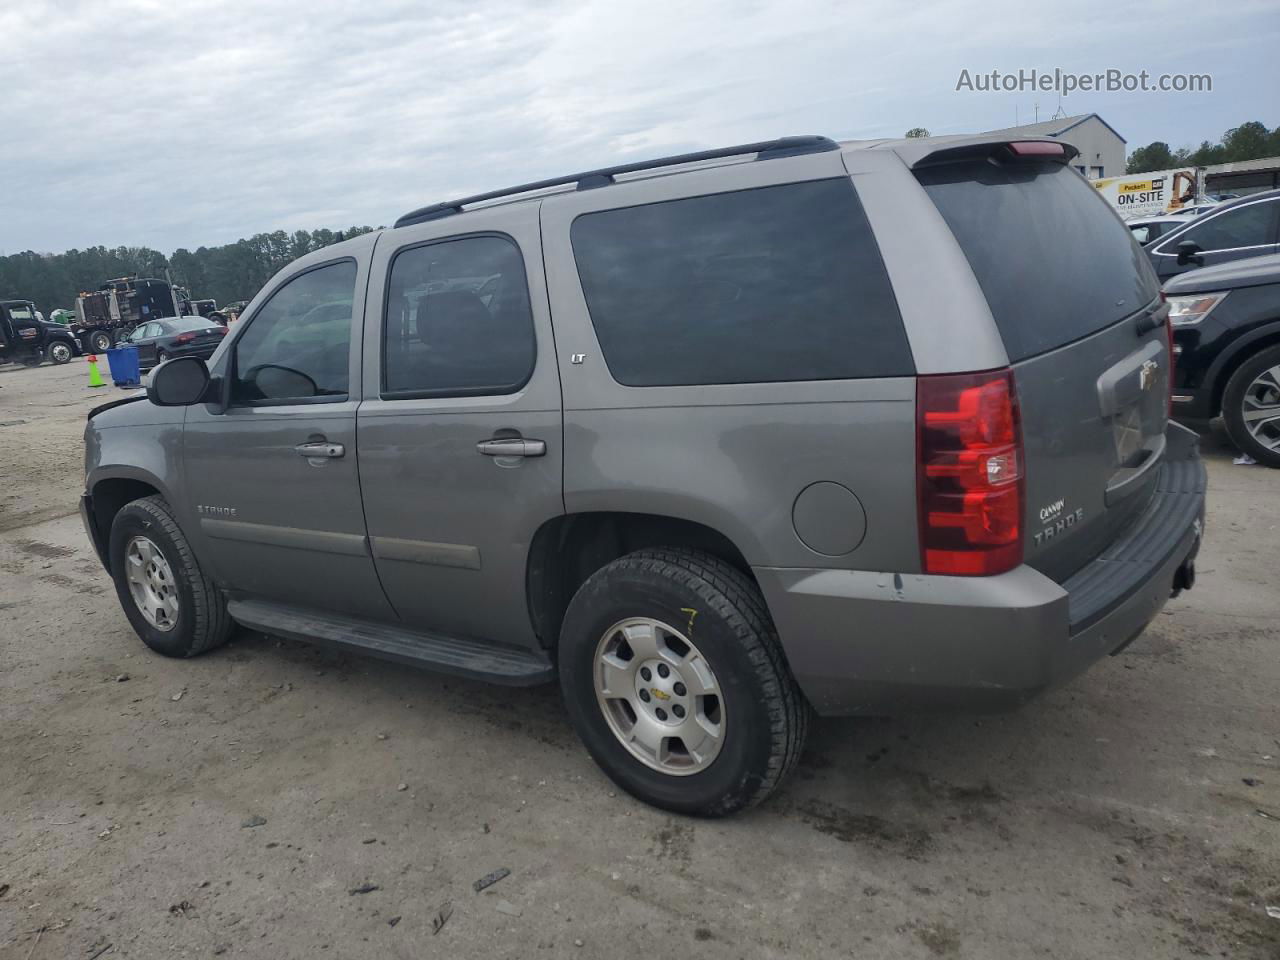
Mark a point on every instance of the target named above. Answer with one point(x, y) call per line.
point(1102, 150)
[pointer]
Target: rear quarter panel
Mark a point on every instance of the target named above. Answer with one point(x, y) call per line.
point(733, 457)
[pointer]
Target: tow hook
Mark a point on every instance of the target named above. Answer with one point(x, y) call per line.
point(1184, 579)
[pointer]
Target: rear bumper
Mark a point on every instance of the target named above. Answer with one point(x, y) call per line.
point(881, 643)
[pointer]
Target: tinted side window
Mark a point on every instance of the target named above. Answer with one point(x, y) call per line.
point(298, 345)
point(772, 284)
point(1243, 227)
point(458, 321)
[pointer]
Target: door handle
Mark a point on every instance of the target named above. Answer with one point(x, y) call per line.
point(320, 448)
point(512, 447)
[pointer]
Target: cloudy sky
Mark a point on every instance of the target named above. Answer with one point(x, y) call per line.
point(174, 123)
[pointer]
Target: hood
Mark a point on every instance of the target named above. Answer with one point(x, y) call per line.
point(1252, 272)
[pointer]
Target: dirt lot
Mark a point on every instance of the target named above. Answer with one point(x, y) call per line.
point(1134, 814)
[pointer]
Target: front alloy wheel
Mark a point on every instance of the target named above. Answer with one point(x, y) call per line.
point(151, 584)
point(1251, 406)
point(59, 352)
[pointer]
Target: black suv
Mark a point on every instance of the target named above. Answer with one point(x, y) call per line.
point(1226, 332)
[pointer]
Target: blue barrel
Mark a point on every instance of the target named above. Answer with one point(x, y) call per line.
point(123, 362)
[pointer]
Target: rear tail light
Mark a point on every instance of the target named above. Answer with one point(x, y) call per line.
point(1173, 356)
point(1037, 148)
point(970, 479)
point(184, 338)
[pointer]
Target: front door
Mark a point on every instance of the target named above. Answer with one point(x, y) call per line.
point(460, 429)
point(273, 477)
point(1246, 230)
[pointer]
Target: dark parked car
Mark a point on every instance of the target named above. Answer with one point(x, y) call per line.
point(1226, 331)
point(158, 340)
point(1248, 227)
point(27, 339)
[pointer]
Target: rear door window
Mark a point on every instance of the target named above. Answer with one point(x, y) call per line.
point(1053, 260)
point(1249, 226)
point(777, 283)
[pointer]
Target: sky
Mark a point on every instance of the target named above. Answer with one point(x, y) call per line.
point(182, 123)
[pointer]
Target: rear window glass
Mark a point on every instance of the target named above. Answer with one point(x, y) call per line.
point(772, 284)
point(190, 323)
point(1052, 259)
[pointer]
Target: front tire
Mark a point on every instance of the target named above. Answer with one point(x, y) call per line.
point(161, 356)
point(60, 352)
point(1251, 407)
point(99, 341)
point(674, 678)
point(171, 604)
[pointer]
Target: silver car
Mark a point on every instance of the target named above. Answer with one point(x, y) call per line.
point(714, 441)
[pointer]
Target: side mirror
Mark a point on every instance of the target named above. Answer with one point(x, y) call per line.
point(1189, 252)
point(179, 383)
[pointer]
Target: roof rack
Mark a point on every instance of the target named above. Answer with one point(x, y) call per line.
point(590, 179)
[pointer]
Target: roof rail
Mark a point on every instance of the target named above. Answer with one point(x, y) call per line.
point(587, 180)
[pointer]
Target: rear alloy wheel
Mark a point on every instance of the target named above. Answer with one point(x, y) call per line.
point(673, 676)
point(100, 341)
point(60, 352)
point(1251, 407)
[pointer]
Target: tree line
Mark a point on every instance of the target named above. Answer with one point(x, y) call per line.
point(233, 271)
point(1249, 141)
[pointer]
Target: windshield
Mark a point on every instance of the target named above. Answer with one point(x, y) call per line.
point(21, 313)
point(1053, 260)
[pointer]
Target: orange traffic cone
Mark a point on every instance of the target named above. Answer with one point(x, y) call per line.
point(95, 378)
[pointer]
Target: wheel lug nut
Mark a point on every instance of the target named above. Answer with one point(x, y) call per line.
point(678, 711)
point(663, 671)
point(644, 673)
point(644, 695)
point(680, 690)
point(662, 714)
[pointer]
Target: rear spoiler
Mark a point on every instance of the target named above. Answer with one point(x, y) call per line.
point(932, 151)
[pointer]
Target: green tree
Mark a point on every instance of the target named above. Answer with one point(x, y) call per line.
point(917, 132)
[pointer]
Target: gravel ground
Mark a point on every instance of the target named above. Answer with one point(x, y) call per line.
point(1133, 814)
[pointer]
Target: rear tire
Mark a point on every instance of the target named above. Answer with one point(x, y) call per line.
point(99, 341)
point(1254, 389)
point(171, 604)
point(712, 631)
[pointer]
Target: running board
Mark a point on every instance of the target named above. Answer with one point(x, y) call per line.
point(434, 651)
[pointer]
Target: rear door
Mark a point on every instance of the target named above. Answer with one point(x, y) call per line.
point(460, 428)
point(1077, 307)
point(1247, 229)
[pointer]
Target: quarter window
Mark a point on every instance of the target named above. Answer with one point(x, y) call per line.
point(1248, 226)
point(458, 321)
point(774, 284)
point(298, 345)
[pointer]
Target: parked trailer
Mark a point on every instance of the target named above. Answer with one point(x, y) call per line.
point(1153, 194)
point(110, 313)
